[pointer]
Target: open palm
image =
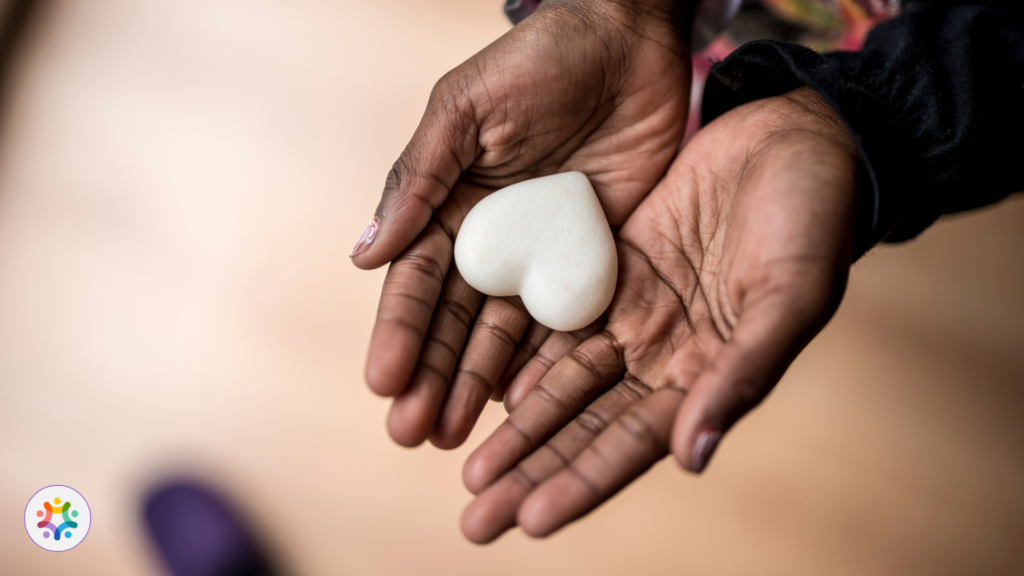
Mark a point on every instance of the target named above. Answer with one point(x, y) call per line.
point(599, 86)
point(735, 261)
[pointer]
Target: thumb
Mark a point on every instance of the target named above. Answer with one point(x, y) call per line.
point(444, 144)
point(766, 340)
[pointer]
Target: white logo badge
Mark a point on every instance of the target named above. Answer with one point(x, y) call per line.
point(57, 518)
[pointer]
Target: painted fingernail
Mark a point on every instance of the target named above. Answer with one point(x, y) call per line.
point(367, 238)
point(704, 447)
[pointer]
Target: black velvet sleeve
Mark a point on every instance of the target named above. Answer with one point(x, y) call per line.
point(934, 100)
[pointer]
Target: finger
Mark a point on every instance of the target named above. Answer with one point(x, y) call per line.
point(624, 451)
point(443, 146)
point(414, 414)
point(557, 346)
point(535, 337)
point(494, 510)
point(410, 292)
point(767, 338)
point(570, 386)
point(495, 336)
point(408, 296)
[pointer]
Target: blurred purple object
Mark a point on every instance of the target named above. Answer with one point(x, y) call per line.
point(199, 534)
point(518, 10)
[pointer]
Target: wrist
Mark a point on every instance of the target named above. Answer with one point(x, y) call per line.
point(811, 110)
point(668, 22)
point(698, 21)
point(678, 13)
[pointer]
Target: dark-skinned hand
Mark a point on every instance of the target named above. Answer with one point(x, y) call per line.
point(599, 86)
point(734, 262)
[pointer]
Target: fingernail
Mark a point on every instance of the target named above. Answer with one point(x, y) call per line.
point(367, 238)
point(704, 447)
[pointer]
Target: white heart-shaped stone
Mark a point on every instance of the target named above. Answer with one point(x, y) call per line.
point(546, 240)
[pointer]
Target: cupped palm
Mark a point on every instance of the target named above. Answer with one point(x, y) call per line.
point(598, 86)
point(737, 259)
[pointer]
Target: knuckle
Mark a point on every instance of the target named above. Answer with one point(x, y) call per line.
point(449, 91)
point(642, 431)
point(424, 265)
point(458, 311)
point(516, 304)
point(583, 477)
point(446, 83)
point(403, 324)
point(591, 421)
point(545, 361)
point(522, 477)
point(416, 300)
point(554, 450)
point(427, 368)
point(476, 378)
point(585, 361)
point(499, 333)
point(435, 343)
point(634, 388)
point(520, 431)
point(394, 178)
point(551, 398)
point(597, 367)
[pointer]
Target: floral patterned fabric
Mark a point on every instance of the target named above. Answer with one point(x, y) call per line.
point(822, 25)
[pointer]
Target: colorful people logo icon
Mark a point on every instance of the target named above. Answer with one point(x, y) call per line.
point(57, 518)
point(48, 526)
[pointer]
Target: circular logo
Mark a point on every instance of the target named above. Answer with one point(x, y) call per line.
point(57, 518)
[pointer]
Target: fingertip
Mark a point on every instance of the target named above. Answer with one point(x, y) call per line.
point(461, 411)
point(536, 516)
point(475, 475)
point(497, 455)
point(472, 525)
point(383, 378)
point(524, 381)
point(520, 387)
point(680, 442)
point(554, 504)
point(491, 514)
point(498, 395)
point(448, 439)
point(404, 212)
point(449, 433)
point(364, 262)
point(513, 396)
point(383, 240)
point(455, 421)
point(695, 437)
point(681, 458)
point(381, 252)
point(360, 254)
point(486, 464)
point(408, 423)
point(704, 448)
point(694, 456)
point(391, 361)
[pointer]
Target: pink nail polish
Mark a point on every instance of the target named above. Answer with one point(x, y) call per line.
point(367, 237)
point(704, 447)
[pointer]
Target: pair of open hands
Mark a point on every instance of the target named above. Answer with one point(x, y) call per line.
point(733, 254)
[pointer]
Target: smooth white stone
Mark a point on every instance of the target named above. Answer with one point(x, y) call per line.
point(546, 240)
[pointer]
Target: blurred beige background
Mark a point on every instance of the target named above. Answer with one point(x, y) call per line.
point(180, 183)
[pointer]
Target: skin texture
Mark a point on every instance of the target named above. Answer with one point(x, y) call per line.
point(734, 262)
point(598, 86)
